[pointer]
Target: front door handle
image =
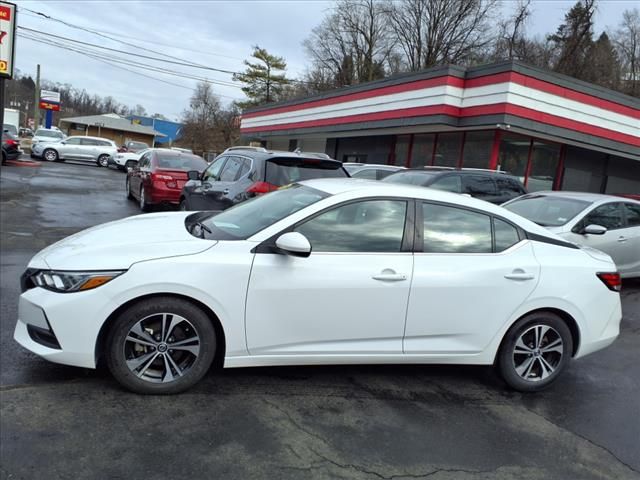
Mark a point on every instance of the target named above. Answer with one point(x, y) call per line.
point(622, 239)
point(225, 191)
point(388, 275)
point(519, 274)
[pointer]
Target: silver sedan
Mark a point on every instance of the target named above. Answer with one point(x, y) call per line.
point(604, 222)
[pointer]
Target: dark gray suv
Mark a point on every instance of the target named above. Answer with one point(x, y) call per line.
point(488, 185)
point(239, 174)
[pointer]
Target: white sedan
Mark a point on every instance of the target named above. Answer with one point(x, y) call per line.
point(332, 271)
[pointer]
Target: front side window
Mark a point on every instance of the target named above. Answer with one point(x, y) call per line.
point(366, 226)
point(213, 172)
point(231, 169)
point(455, 230)
point(548, 211)
point(609, 216)
point(90, 142)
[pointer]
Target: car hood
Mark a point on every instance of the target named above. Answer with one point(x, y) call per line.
point(120, 244)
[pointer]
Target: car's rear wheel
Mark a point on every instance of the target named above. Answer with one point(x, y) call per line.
point(128, 188)
point(162, 345)
point(535, 351)
point(50, 155)
point(144, 204)
point(103, 161)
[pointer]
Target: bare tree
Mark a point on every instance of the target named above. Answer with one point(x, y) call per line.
point(627, 42)
point(512, 41)
point(353, 44)
point(433, 32)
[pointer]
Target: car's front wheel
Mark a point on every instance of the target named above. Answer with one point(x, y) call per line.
point(103, 161)
point(184, 206)
point(50, 155)
point(162, 345)
point(535, 351)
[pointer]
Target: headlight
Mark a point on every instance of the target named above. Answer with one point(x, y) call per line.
point(65, 282)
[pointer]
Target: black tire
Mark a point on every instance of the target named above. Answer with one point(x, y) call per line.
point(103, 161)
point(50, 155)
point(144, 205)
point(129, 164)
point(127, 188)
point(153, 378)
point(4, 158)
point(184, 205)
point(535, 366)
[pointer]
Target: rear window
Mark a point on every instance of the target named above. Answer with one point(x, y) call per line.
point(283, 171)
point(410, 178)
point(177, 161)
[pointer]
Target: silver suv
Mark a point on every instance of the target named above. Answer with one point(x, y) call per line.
point(91, 149)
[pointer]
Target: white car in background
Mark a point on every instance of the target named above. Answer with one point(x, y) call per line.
point(125, 160)
point(331, 271)
point(90, 149)
point(46, 135)
point(605, 222)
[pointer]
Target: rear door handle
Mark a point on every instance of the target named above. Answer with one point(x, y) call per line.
point(519, 274)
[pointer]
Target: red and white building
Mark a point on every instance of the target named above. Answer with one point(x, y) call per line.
point(551, 130)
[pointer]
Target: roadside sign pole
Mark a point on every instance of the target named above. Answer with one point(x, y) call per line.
point(2, 103)
point(36, 109)
point(48, 119)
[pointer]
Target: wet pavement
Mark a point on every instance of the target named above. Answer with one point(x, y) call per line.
point(363, 422)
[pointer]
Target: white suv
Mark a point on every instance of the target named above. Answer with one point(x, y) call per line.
point(92, 149)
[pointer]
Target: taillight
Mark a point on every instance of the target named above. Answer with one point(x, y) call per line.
point(169, 181)
point(611, 279)
point(261, 187)
point(11, 143)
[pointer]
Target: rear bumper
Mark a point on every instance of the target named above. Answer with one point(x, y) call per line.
point(597, 340)
point(160, 193)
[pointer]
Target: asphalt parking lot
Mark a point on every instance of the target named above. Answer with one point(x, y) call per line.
point(362, 422)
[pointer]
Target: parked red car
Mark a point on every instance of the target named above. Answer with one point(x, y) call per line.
point(160, 175)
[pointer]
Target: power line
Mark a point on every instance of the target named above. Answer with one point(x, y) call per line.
point(41, 16)
point(132, 63)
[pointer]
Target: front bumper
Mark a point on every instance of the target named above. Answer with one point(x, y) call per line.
point(61, 327)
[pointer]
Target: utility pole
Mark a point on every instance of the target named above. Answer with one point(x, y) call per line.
point(36, 107)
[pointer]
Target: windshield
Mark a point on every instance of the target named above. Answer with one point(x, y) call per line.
point(409, 178)
point(248, 218)
point(546, 210)
point(176, 161)
point(49, 133)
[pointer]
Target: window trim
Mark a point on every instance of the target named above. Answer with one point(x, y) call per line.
point(408, 233)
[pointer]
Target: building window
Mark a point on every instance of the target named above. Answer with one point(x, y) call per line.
point(514, 155)
point(448, 149)
point(422, 151)
point(583, 170)
point(544, 165)
point(477, 149)
point(623, 176)
point(403, 143)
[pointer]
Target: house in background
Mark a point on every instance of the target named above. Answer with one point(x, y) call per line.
point(111, 126)
point(169, 131)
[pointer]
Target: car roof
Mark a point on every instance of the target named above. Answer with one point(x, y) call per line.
point(92, 138)
point(268, 154)
point(369, 166)
point(584, 196)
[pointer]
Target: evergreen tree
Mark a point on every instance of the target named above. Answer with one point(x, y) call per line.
point(605, 65)
point(262, 82)
point(574, 39)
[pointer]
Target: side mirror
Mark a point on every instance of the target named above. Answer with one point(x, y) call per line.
point(594, 230)
point(294, 243)
point(193, 175)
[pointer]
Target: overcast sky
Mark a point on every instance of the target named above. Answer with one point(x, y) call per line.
point(216, 34)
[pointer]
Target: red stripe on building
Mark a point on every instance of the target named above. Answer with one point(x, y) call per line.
point(497, 108)
point(350, 97)
point(486, 80)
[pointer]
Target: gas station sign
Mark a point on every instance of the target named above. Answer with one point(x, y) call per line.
point(7, 38)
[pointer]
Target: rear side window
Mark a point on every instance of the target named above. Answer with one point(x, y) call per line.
point(455, 230)
point(87, 141)
point(633, 214)
point(287, 170)
point(449, 183)
point(505, 235)
point(479, 185)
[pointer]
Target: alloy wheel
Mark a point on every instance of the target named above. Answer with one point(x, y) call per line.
point(537, 353)
point(103, 160)
point(50, 155)
point(161, 347)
